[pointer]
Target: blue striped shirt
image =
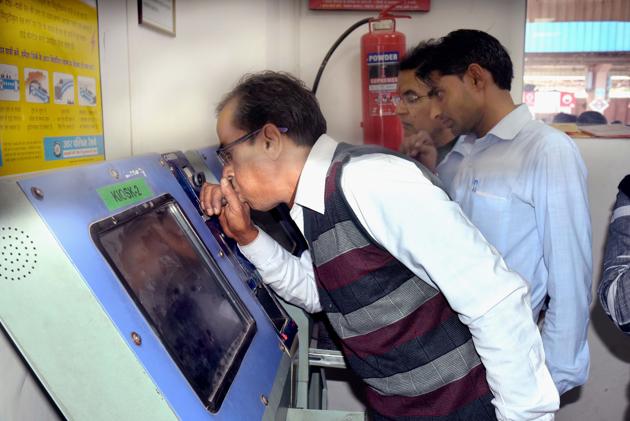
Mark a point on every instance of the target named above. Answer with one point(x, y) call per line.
point(524, 186)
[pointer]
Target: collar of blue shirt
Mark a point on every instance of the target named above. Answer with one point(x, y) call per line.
point(506, 129)
point(512, 124)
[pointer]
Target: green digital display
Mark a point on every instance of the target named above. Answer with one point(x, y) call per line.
point(119, 195)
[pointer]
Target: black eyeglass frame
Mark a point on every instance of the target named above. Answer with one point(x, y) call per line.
point(221, 150)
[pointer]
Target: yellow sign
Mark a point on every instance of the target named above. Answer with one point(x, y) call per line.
point(50, 89)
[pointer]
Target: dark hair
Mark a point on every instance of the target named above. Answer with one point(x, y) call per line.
point(591, 117)
point(452, 54)
point(564, 118)
point(415, 56)
point(278, 98)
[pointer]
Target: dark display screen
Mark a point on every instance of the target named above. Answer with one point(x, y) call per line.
point(179, 288)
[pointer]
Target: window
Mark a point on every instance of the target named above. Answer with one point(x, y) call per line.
point(577, 59)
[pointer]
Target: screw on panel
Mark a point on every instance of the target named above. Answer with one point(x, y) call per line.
point(136, 338)
point(264, 400)
point(114, 174)
point(37, 192)
point(220, 253)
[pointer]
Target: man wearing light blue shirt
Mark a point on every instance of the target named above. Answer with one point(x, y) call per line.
point(522, 183)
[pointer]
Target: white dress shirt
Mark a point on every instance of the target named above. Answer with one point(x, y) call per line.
point(417, 223)
point(524, 186)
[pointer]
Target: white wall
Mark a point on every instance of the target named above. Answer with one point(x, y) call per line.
point(116, 96)
point(159, 92)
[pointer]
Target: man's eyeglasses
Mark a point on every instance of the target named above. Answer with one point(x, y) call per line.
point(409, 99)
point(223, 152)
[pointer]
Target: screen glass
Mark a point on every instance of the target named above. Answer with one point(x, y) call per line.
point(179, 288)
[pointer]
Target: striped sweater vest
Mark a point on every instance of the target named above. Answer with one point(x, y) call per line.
point(398, 333)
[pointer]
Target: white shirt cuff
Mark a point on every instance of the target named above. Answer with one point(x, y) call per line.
point(259, 251)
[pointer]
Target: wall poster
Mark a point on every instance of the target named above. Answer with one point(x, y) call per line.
point(50, 99)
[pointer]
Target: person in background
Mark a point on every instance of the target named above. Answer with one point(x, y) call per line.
point(426, 140)
point(522, 183)
point(614, 289)
point(564, 118)
point(591, 118)
point(429, 316)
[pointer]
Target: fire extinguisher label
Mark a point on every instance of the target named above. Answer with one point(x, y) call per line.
point(382, 79)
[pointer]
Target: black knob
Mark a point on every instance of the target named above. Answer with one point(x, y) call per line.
point(198, 179)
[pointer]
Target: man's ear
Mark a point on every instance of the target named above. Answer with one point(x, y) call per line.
point(272, 141)
point(478, 76)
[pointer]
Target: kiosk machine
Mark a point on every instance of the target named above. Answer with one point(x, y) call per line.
point(317, 351)
point(127, 307)
point(126, 303)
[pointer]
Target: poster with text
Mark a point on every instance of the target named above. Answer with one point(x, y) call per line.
point(50, 99)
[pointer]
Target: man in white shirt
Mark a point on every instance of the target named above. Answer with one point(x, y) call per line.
point(521, 182)
point(429, 316)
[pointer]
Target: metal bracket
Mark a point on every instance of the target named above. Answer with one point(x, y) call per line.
point(325, 358)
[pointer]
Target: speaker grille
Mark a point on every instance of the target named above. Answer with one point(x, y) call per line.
point(18, 254)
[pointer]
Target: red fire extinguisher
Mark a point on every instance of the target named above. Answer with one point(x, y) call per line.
point(382, 49)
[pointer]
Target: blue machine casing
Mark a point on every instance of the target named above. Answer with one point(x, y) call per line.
point(71, 204)
point(209, 157)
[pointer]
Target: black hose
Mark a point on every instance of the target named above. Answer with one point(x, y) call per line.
point(333, 48)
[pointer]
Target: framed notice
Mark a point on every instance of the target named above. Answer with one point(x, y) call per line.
point(405, 5)
point(157, 14)
point(50, 89)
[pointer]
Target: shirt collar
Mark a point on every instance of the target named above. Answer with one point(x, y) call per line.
point(505, 129)
point(462, 145)
point(511, 124)
point(311, 186)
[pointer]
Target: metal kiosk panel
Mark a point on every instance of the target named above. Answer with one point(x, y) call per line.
point(94, 349)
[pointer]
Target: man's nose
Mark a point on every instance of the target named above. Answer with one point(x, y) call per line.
point(401, 108)
point(435, 110)
point(228, 171)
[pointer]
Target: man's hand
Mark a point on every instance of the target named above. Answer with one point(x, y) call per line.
point(420, 147)
point(222, 200)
